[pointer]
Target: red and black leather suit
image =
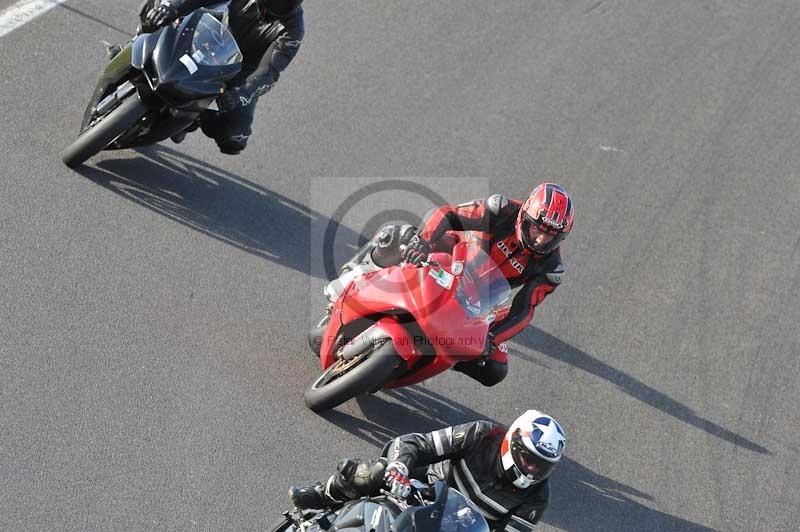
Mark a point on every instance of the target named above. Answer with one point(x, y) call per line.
point(535, 275)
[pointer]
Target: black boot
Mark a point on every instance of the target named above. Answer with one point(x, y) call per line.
point(177, 138)
point(309, 497)
point(487, 372)
point(339, 487)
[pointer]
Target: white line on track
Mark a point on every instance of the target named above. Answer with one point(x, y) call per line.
point(611, 148)
point(23, 12)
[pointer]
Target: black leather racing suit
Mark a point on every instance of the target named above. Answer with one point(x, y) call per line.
point(465, 456)
point(268, 45)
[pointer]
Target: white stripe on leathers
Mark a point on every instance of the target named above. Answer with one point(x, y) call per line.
point(491, 502)
point(463, 489)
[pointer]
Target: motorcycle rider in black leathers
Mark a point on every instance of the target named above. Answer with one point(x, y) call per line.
point(503, 471)
point(268, 32)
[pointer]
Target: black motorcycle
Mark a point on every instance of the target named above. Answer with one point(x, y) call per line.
point(428, 509)
point(158, 85)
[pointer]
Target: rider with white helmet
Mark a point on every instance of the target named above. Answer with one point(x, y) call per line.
point(504, 471)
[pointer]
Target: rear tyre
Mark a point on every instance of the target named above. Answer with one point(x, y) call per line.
point(104, 132)
point(347, 379)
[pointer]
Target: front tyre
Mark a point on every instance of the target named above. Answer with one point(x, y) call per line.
point(344, 380)
point(104, 131)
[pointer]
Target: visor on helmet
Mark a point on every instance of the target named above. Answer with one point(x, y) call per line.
point(529, 463)
point(532, 228)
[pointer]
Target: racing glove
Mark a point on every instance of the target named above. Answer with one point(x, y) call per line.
point(416, 251)
point(242, 96)
point(397, 481)
point(161, 15)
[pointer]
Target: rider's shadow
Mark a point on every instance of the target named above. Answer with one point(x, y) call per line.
point(581, 499)
point(221, 205)
point(538, 340)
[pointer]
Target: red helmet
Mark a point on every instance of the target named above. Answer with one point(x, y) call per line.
point(545, 219)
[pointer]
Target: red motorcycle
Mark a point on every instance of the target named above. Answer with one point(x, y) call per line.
point(400, 325)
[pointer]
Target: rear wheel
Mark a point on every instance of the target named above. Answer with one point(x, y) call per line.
point(104, 131)
point(346, 379)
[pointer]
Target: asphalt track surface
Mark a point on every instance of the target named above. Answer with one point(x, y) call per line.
point(154, 304)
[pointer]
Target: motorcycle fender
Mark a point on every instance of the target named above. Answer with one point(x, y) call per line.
point(403, 341)
point(385, 329)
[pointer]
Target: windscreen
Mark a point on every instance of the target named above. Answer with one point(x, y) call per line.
point(461, 516)
point(483, 289)
point(213, 44)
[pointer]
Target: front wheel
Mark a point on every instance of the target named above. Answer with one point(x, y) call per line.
point(104, 132)
point(346, 379)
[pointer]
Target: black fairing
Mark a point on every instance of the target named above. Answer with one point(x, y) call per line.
point(175, 95)
point(117, 70)
point(381, 514)
point(424, 518)
point(171, 78)
point(142, 48)
point(376, 514)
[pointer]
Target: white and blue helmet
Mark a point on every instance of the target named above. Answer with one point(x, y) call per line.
point(532, 447)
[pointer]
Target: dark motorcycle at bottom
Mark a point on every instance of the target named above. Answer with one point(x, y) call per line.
point(158, 85)
point(437, 508)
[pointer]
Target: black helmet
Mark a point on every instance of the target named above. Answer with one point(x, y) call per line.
point(278, 8)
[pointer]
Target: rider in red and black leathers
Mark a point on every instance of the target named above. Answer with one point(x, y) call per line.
point(268, 32)
point(468, 457)
point(497, 220)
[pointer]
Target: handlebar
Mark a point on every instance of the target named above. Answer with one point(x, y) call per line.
point(422, 263)
point(423, 493)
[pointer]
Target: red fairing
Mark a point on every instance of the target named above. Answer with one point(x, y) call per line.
point(392, 294)
point(415, 292)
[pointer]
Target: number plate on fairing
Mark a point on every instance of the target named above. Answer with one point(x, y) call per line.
point(443, 279)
